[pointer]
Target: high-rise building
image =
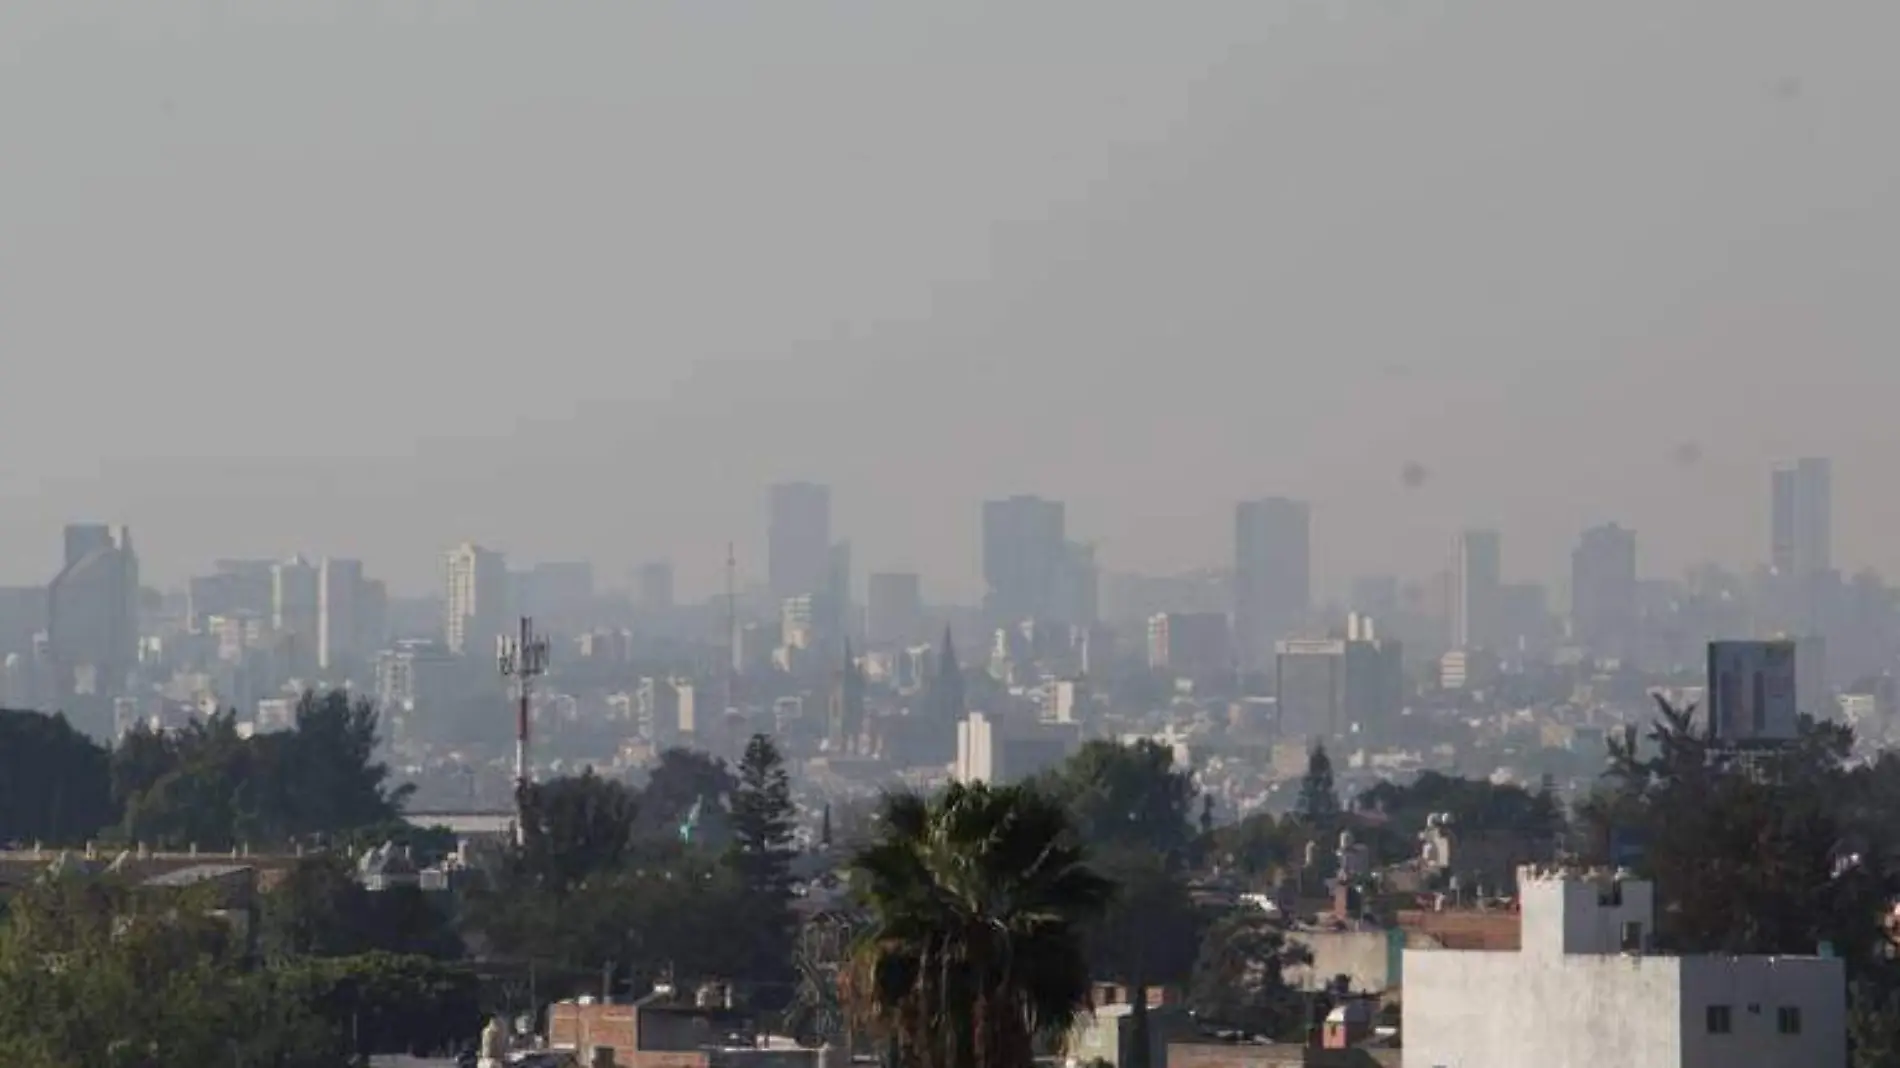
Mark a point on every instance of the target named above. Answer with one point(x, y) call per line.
point(234, 587)
point(1376, 595)
point(296, 606)
point(798, 539)
point(339, 613)
point(1078, 586)
point(1603, 590)
point(1338, 688)
point(556, 589)
point(838, 623)
point(664, 708)
point(1801, 503)
point(1476, 599)
point(475, 599)
point(895, 608)
point(372, 617)
point(22, 615)
point(1005, 751)
point(1193, 645)
point(93, 623)
point(656, 586)
point(1273, 566)
point(1024, 556)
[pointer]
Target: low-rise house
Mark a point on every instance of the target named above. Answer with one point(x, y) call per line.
point(1584, 990)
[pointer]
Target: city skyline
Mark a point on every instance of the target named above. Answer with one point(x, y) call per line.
point(1272, 536)
point(1149, 270)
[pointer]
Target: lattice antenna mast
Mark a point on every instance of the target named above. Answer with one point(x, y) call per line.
point(524, 659)
point(732, 623)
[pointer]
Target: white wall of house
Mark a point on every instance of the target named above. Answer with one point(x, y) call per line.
point(1469, 1009)
point(1571, 998)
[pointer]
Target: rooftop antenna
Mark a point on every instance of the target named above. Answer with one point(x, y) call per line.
point(523, 659)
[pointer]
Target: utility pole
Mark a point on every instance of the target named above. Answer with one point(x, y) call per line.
point(524, 659)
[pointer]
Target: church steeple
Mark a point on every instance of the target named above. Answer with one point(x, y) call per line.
point(946, 686)
point(847, 705)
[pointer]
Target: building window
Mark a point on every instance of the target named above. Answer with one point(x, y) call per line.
point(1788, 1019)
point(1719, 1022)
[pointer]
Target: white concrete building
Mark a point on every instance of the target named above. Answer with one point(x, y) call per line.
point(1001, 752)
point(1583, 993)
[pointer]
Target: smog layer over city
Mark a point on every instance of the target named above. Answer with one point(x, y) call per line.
point(957, 535)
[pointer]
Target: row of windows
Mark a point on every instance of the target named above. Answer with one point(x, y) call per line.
point(1721, 1020)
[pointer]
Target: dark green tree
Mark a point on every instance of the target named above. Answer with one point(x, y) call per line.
point(576, 827)
point(1262, 844)
point(320, 909)
point(681, 779)
point(385, 1003)
point(1148, 935)
point(1318, 803)
point(763, 818)
point(332, 775)
point(54, 782)
point(972, 954)
point(1239, 978)
point(143, 980)
point(1777, 854)
point(1475, 805)
point(1127, 796)
point(206, 785)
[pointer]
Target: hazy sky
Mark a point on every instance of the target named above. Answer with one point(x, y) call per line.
point(578, 279)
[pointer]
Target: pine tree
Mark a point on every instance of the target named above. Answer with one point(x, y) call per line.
point(1318, 804)
point(761, 855)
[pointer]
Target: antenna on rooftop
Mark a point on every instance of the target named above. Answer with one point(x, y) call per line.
point(523, 659)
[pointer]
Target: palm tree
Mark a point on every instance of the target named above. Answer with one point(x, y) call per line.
point(972, 952)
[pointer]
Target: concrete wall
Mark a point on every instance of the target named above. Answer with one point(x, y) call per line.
point(1364, 956)
point(1754, 988)
point(1221, 1055)
point(1571, 915)
point(1509, 1010)
point(1506, 1010)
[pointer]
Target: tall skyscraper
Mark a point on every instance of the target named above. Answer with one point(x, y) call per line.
point(1273, 575)
point(475, 599)
point(1337, 689)
point(340, 597)
point(1024, 557)
point(93, 623)
point(1476, 599)
point(1801, 504)
point(557, 589)
point(656, 586)
point(836, 602)
point(798, 539)
point(1078, 585)
point(895, 608)
point(296, 612)
point(1603, 590)
point(234, 588)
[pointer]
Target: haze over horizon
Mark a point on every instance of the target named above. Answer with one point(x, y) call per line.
point(342, 277)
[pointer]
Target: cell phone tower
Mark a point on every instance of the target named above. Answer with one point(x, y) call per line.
point(523, 659)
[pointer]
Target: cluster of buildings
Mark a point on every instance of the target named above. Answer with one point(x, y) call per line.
point(1242, 669)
